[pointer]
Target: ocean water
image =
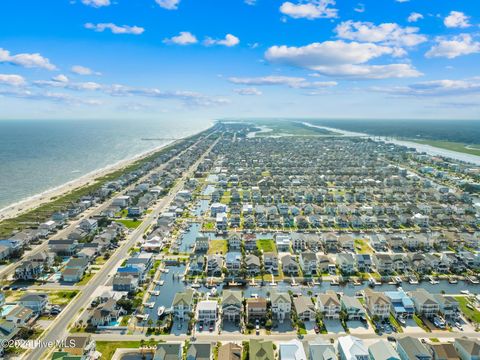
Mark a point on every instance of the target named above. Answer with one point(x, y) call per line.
point(37, 155)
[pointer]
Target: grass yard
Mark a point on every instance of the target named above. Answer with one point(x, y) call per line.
point(472, 315)
point(85, 279)
point(209, 225)
point(217, 246)
point(266, 245)
point(108, 348)
point(362, 247)
point(420, 323)
point(130, 224)
point(61, 297)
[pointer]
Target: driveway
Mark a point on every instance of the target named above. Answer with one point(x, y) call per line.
point(412, 327)
point(358, 327)
point(334, 326)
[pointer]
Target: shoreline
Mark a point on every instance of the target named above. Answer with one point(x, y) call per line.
point(34, 201)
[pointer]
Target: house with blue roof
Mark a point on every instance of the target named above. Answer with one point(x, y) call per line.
point(402, 305)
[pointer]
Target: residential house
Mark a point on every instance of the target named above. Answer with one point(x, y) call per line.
point(383, 263)
point(256, 309)
point(233, 262)
point(201, 244)
point(37, 302)
point(252, 264)
point(444, 351)
point(425, 303)
point(353, 308)
point(282, 242)
point(232, 305)
point(66, 247)
point(346, 263)
point(79, 345)
point(261, 350)
point(410, 348)
point(292, 350)
point(377, 304)
point(382, 350)
point(401, 304)
point(281, 305)
point(214, 265)
point(289, 265)
point(299, 242)
point(199, 351)
point(304, 308)
point(363, 262)
point(207, 311)
point(168, 351)
point(321, 351)
point(182, 304)
point(106, 313)
point(308, 262)
point(270, 263)
point(230, 351)
point(352, 348)
point(20, 315)
point(328, 305)
point(234, 242)
point(448, 305)
point(467, 349)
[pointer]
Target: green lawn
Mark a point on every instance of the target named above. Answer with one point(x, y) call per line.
point(209, 225)
point(266, 245)
point(107, 348)
point(453, 146)
point(85, 279)
point(130, 224)
point(362, 247)
point(472, 315)
point(217, 246)
point(61, 297)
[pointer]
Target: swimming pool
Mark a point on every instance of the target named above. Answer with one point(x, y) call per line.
point(6, 309)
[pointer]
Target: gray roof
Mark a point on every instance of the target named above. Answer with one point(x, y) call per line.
point(382, 350)
point(167, 351)
point(413, 347)
point(199, 351)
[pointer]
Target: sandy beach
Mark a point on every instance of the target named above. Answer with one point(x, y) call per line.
point(44, 197)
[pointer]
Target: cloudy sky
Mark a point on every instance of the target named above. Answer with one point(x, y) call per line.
point(209, 59)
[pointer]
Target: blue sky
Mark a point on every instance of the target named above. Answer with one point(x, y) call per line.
point(210, 59)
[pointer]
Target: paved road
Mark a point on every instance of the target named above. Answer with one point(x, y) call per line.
point(59, 327)
point(225, 336)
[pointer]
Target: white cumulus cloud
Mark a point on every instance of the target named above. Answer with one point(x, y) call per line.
point(343, 59)
point(168, 4)
point(456, 19)
point(290, 81)
point(12, 80)
point(414, 17)
point(115, 29)
point(229, 41)
point(184, 38)
point(83, 70)
point(453, 47)
point(251, 91)
point(26, 60)
point(311, 9)
point(386, 33)
point(96, 3)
